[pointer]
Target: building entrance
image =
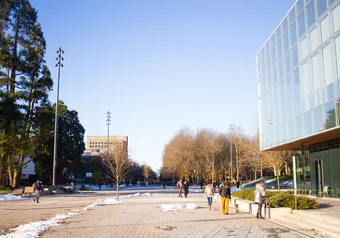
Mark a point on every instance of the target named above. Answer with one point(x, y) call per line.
point(319, 176)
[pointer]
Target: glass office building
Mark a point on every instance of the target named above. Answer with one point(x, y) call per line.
point(298, 75)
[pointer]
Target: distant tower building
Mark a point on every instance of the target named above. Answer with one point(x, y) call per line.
point(96, 145)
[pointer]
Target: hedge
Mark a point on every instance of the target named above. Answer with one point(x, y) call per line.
point(280, 199)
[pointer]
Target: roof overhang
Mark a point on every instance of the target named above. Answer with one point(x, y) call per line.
point(306, 141)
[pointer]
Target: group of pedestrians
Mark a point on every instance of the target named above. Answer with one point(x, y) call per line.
point(225, 195)
point(183, 186)
point(224, 192)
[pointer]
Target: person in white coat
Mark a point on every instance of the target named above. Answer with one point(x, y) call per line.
point(259, 194)
point(209, 194)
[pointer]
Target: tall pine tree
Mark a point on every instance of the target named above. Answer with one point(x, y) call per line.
point(24, 84)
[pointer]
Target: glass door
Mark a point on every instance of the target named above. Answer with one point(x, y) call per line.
point(319, 176)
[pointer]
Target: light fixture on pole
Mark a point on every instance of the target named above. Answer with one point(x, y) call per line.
point(59, 64)
point(231, 128)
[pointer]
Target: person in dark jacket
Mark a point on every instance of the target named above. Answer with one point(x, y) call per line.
point(225, 194)
point(186, 188)
point(37, 187)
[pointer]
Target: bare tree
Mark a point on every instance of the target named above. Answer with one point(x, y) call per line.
point(146, 171)
point(200, 159)
point(206, 154)
point(240, 145)
point(118, 165)
point(177, 155)
point(277, 161)
point(255, 161)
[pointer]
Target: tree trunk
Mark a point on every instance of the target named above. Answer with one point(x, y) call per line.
point(13, 177)
point(117, 191)
point(2, 180)
point(274, 169)
point(237, 165)
point(261, 167)
point(10, 175)
point(15, 57)
point(117, 187)
point(286, 168)
point(15, 180)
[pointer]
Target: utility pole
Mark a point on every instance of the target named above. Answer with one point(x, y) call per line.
point(59, 64)
point(231, 128)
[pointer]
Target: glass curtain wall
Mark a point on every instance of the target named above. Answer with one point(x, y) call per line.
point(299, 73)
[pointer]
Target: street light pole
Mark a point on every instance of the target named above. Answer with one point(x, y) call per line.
point(108, 120)
point(231, 128)
point(59, 64)
point(108, 123)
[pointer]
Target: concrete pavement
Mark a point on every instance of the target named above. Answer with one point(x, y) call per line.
point(142, 217)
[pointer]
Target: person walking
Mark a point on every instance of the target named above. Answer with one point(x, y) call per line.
point(225, 194)
point(209, 194)
point(259, 194)
point(73, 187)
point(179, 186)
point(37, 188)
point(186, 188)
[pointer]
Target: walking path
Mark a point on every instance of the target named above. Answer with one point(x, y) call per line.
point(142, 216)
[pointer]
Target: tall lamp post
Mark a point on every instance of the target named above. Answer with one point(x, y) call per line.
point(231, 128)
point(59, 64)
point(108, 123)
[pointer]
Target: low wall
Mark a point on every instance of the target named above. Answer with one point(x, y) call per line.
point(251, 207)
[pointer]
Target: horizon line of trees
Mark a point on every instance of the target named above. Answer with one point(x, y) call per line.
point(207, 155)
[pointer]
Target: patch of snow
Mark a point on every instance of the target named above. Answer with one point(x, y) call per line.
point(176, 207)
point(33, 229)
point(10, 197)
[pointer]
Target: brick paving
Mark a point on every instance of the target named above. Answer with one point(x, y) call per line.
point(142, 217)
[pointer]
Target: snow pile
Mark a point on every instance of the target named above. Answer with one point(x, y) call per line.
point(10, 197)
point(192, 206)
point(33, 229)
point(176, 207)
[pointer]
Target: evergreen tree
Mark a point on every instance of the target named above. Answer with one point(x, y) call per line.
point(70, 143)
point(24, 84)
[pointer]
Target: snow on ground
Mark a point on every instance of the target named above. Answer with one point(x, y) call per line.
point(33, 229)
point(176, 207)
point(10, 197)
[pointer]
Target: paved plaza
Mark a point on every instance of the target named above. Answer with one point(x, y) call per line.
point(141, 216)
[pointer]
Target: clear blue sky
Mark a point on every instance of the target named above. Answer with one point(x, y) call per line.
point(158, 66)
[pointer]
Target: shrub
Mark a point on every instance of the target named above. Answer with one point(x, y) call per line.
point(280, 199)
